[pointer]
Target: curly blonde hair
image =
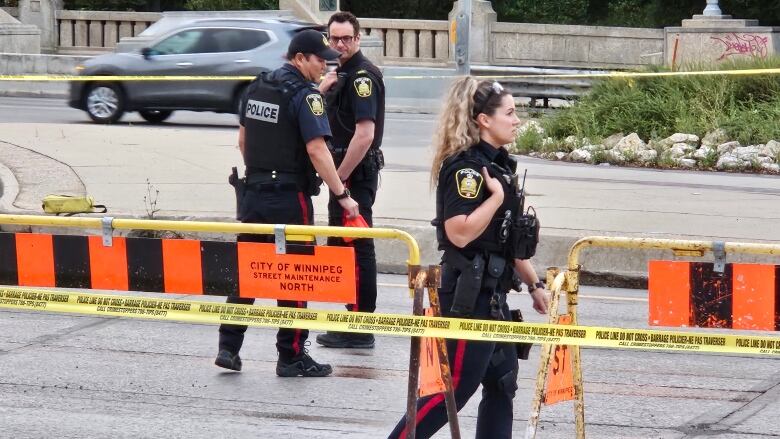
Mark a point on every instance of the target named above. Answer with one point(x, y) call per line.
point(457, 129)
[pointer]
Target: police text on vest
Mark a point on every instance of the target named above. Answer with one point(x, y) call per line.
point(264, 111)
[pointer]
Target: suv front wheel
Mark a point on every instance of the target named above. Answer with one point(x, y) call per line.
point(105, 102)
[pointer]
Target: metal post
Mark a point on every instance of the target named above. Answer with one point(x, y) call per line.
point(434, 281)
point(712, 8)
point(572, 292)
point(417, 280)
point(463, 38)
point(544, 359)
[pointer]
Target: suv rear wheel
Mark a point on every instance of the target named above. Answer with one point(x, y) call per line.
point(105, 102)
point(155, 116)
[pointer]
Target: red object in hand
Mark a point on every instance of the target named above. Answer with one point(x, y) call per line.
point(358, 221)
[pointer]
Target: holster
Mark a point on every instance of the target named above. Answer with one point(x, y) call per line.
point(239, 185)
point(523, 349)
point(469, 282)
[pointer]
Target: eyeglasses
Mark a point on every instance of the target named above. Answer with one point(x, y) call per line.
point(346, 40)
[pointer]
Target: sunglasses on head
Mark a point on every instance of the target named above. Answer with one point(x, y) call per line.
point(495, 89)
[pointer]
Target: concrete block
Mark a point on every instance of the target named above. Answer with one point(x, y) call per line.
point(409, 43)
point(393, 43)
point(125, 29)
point(442, 47)
point(138, 27)
point(95, 34)
point(19, 38)
point(66, 34)
point(425, 39)
point(110, 34)
point(81, 31)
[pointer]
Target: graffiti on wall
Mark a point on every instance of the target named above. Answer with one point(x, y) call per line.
point(753, 45)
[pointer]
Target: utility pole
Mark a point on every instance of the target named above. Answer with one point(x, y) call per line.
point(462, 37)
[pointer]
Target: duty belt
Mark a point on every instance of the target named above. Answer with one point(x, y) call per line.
point(272, 180)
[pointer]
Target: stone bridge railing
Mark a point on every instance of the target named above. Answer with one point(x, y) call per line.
point(97, 30)
point(411, 42)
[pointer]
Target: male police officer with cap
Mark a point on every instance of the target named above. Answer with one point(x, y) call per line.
point(356, 110)
point(282, 140)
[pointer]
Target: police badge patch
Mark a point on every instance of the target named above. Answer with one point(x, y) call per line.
point(468, 182)
point(316, 105)
point(363, 86)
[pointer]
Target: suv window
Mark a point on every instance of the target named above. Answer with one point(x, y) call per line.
point(179, 43)
point(239, 40)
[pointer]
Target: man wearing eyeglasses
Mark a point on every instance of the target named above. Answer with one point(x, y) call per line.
point(355, 103)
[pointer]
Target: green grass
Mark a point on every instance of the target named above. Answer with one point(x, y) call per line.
point(747, 107)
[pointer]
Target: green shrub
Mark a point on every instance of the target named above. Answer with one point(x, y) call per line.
point(529, 140)
point(747, 107)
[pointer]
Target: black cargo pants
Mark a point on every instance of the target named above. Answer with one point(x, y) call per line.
point(270, 206)
point(362, 185)
point(494, 365)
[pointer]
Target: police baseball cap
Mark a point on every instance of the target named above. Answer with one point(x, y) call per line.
point(314, 42)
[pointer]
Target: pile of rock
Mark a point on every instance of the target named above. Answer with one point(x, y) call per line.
point(680, 150)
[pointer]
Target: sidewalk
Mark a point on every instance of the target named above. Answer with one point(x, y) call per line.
point(189, 168)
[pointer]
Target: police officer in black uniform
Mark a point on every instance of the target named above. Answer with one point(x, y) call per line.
point(282, 140)
point(355, 96)
point(487, 239)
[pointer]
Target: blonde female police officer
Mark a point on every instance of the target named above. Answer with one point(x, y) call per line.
point(477, 205)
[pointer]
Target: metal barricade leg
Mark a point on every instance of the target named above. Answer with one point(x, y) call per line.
point(434, 277)
point(417, 280)
point(544, 363)
point(572, 291)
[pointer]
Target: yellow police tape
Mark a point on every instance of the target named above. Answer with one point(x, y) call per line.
point(614, 74)
point(23, 298)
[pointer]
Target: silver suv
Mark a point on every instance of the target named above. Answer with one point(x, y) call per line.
point(222, 47)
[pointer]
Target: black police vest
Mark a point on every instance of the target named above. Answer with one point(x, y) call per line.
point(343, 126)
point(273, 140)
point(495, 238)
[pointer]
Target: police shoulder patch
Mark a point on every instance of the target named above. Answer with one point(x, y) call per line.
point(468, 182)
point(316, 104)
point(363, 86)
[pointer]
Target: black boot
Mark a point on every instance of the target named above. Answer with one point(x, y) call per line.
point(228, 361)
point(346, 340)
point(302, 365)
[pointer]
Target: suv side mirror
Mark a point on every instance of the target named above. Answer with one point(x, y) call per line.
point(147, 52)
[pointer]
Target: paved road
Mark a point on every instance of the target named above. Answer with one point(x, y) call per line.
point(188, 159)
point(86, 377)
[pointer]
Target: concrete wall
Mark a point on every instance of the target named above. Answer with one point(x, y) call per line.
point(547, 45)
point(16, 37)
point(705, 40)
point(21, 63)
point(41, 13)
point(13, 12)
